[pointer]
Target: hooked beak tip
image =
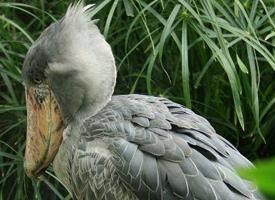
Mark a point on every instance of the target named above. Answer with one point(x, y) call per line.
point(32, 171)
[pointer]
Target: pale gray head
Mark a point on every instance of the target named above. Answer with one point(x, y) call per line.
point(69, 71)
point(73, 59)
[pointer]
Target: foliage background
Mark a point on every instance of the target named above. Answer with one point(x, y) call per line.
point(214, 56)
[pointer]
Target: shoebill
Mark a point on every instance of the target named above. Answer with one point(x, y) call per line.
point(117, 147)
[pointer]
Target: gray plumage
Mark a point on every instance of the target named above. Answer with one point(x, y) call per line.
point(128, 146)
point(146, 161)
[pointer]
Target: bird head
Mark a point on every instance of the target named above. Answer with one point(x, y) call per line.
point(69, 73)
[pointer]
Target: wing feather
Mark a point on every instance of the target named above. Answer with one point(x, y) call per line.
point(159, 150)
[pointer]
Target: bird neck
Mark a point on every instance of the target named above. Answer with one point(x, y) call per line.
point(84, 82)
point(97, 93)
point(89, 97)
point(89, 104)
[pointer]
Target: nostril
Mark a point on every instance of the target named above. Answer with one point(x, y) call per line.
point(40, 99)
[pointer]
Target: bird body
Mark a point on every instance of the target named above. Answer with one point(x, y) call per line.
point(144, 147)
point(117, 147)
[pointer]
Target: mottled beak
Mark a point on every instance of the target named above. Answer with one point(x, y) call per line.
point(44, 130)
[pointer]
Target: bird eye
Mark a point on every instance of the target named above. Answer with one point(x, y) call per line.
point(37, 80)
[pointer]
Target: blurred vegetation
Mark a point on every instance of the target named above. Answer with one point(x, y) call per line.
point(263, 175)
point(214, 56)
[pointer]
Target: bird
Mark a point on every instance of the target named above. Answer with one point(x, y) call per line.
point(117, 147)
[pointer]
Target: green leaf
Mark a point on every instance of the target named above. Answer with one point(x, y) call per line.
point(263, 175)
point(3, 18)
point(128, 8)
point(270, 35)
point(241, 65)
point(109, 19)
point(51, 186)
point(167, 29)
point(185, 66)
point(98, 8)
